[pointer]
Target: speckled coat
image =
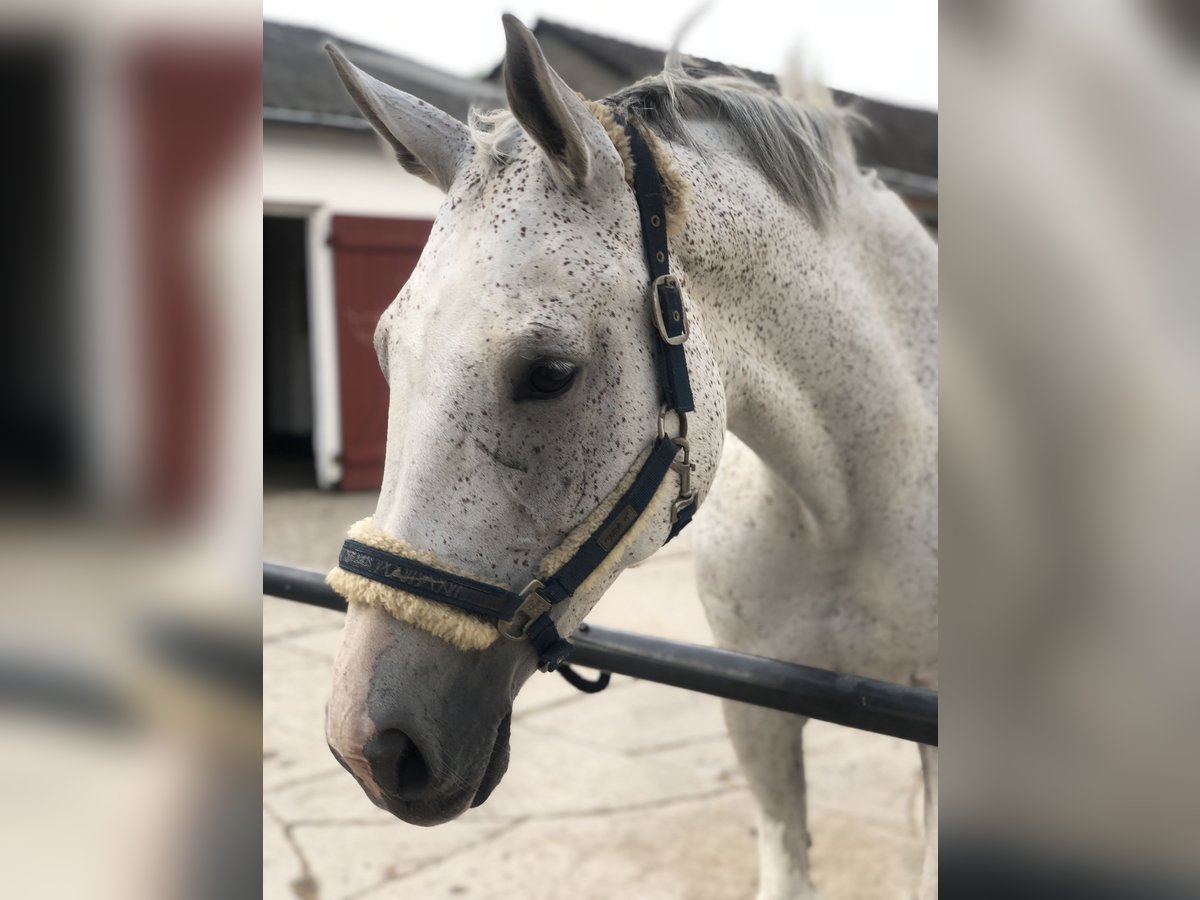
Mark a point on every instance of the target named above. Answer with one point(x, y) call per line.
point(814, 342)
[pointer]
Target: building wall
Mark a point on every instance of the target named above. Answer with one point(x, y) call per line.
point(348, 172)
point(317, 174)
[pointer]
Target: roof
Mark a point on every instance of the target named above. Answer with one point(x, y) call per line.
point(897, 139)
point(300, 85)
point(598, 66)
point(900, 138)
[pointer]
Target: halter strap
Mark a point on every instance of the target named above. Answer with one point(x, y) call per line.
point(527, 614)
point(670, 319)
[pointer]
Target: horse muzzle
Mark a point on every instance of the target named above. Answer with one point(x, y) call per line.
point(396, 774)
point(423, 727)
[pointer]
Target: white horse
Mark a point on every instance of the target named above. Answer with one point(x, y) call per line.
point(521, 364)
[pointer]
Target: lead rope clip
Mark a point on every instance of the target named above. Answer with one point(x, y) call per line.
point(685, 468)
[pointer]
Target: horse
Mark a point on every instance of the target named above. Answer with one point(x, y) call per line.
point(525, 383)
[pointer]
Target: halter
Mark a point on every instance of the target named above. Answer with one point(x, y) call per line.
point(527, 614)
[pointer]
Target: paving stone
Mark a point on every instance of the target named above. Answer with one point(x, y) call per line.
point(295, 691)
point(884, 774)
point(856, 860)
point(325, 791)
point(558, 775)
point(632, 716)
point(709, 758)
point(282, 618)
point(696, 849)
point(353, 857)
point(282, 869)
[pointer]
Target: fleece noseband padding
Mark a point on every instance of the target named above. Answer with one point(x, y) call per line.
point(454, 626)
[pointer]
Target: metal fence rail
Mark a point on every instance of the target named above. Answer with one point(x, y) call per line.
point(867, 704)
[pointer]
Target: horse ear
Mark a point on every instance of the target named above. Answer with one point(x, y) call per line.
point(428, 142)
point(549, 111)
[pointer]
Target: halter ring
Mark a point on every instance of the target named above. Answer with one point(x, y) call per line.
point(527, 613)
point(662, 424)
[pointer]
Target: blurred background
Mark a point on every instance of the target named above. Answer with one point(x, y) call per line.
point(175, 179)
point(1070, 462)
point(130, 531)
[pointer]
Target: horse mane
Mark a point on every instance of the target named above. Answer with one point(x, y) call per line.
point(793, 138)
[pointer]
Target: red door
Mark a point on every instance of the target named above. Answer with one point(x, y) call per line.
point(372, 260)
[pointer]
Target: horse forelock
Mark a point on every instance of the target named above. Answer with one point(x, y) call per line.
point(794, 139)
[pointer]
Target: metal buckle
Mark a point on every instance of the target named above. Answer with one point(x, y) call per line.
point(680, 505)
point(531, 609)
point(686, 468)
point(656, 308)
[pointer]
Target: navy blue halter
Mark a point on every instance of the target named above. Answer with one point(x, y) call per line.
point(527, 614)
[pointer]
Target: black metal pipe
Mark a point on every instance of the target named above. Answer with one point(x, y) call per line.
point(300, 585)
point(863, 703)
point(898, 710)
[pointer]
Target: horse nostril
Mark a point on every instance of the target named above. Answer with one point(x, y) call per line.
point(396, 764)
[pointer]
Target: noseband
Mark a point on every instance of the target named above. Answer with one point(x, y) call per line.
point(527, 614)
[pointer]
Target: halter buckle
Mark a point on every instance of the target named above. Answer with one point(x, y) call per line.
point(677, 313)
point(533, 606)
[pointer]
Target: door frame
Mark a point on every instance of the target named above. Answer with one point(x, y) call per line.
point(322, 331)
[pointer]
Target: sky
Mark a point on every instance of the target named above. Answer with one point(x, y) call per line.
point(885, 49)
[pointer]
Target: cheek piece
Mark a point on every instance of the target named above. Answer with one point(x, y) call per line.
point(375, 568)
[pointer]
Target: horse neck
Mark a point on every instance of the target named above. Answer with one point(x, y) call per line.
point(827, 340)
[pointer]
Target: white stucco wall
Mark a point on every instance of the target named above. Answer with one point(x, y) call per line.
point(347, 172)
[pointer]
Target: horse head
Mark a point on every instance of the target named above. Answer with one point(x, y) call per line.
point(525, 393)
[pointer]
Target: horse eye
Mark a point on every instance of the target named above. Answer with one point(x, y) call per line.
point(546, 378)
